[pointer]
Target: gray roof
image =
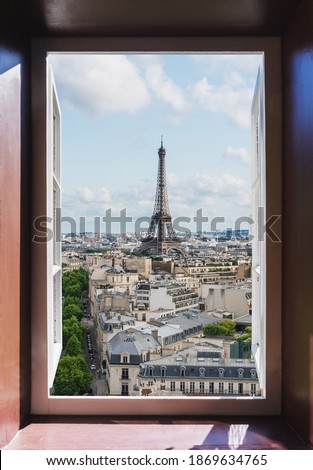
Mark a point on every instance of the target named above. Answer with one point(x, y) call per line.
point(133, 343)
point(115, 319)
point(200, 363)
point(117, 269)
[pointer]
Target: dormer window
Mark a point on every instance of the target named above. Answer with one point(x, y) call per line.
point(125, 358)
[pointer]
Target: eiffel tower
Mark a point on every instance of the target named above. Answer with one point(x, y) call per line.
point(161, 237)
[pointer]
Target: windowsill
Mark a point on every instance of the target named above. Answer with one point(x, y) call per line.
point(80, 433)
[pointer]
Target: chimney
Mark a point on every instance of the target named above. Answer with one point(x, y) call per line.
point(155, 334)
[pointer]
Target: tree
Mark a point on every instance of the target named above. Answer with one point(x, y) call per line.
point(72, 310)
point(247, 333)
point(73, 347)
point(70, 299)
point(222, 328)
point(74, 290)
point(71, 326)
point(215, 330)
point(230, 325)
point(72, 376)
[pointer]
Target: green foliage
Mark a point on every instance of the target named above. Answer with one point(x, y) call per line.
point(230, 325)
point(71, 326)
point(214, 330)
point(73, 347)
point(72, 376)
point(74, 278)
point(244, 337)
point(222, 328)
point(246, 334)
point(72, 309)
point(139, 255)
point(72, 290)
point(70, 299)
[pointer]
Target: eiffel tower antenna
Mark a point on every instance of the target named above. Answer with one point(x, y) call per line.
point(161, 236)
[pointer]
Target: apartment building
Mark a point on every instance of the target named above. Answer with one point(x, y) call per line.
point(126, 350)
point(213, 274)
point(165, 295)
point(234, 299)
point(199, 371)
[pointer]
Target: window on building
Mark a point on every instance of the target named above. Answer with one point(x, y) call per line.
point(125, 373)
point(231, 388)
point(124, 391)
point(192, 387)
point(173, 386)
point(182, 387)
point(221, 387)
point(211, 387)
point(41, 299)
point(201, 387)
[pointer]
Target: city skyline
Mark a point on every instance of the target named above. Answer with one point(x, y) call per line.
point(115, 109)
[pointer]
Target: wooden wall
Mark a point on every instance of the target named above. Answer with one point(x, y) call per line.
point(14, 221)
point(298, 223)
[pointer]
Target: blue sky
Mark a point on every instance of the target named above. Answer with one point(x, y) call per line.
point(115, 109)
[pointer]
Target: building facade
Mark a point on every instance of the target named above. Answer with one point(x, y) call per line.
point(126, 350)
point(198, 371)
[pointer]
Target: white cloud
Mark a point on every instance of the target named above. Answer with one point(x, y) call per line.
point(100, 83)
point(237, 154)
point(226, 62)
point(164, 88)
point(230, 100)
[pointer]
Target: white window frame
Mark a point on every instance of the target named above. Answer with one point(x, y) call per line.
point(269, 403)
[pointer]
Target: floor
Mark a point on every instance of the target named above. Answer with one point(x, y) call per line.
point(73, 433)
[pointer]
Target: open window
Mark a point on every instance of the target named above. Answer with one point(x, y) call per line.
point(54, 271)
point(46, 257)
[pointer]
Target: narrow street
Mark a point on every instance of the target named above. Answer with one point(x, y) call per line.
point(98, 383)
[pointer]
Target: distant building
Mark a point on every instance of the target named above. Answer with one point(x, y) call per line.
point(140, 265)
point(70, 262)
point(198, 371)
point(126, 351)
point(166, 295)
point(172, 333)
point(109, 324)
point(212, 274)
point(237, 300)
